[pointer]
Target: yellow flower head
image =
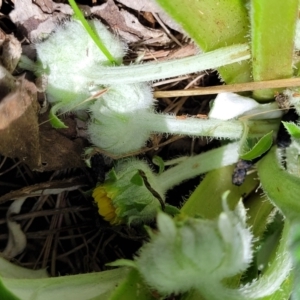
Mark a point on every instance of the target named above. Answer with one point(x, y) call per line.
point(128, 197)
point(105, 206)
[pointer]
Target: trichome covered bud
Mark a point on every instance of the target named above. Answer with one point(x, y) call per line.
point(191, 253)
point(66, 54)
point(130, 194)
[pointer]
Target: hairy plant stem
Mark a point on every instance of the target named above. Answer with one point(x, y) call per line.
point(229, 129)
point(157, 71)
point(199, 164)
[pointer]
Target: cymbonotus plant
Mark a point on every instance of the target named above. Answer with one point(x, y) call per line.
point(212, 249)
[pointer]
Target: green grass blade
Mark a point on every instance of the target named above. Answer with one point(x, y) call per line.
point(91, 32)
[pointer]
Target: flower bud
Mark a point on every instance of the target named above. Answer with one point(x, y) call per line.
point(65, 56)
point(130, 194)
point(117, 115)
point(191, 253)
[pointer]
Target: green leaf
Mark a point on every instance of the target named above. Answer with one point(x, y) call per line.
point(132, 288)
point(5, 294)
point(273, 25)
point(112, 175)
point(206, 202)
point(157, 160)
point(282, 188)
point(292, 129)
point(262, 146)
point(137, 179)
point(122, 263)
point(275, 267)
point(88, 153)
point(295, 250)
point(171, 210)
point(54, 120)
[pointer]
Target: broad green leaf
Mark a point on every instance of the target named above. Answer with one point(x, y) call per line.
point(132, 288)
point(282, 188)
point(206, 199)
point(5, 294)
point(137, 179)
point(98, 285)
point(262, 146)
point(273, 25)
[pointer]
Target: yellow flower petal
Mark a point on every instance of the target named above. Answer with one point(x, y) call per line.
point(105, 206)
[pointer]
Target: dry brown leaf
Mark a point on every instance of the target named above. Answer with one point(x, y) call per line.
point(11, 52)
point(24, 10)
point(2, 36)
point(19, 125)
point(36, 30)
point(152, 6)
point(127, 25)
point(186, 50)
point(7, 82)
point(142, 5)
point(33, 22)
point(63, 8)
point(45, 5)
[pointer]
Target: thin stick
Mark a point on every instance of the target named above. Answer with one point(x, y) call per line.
point(239, 87)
